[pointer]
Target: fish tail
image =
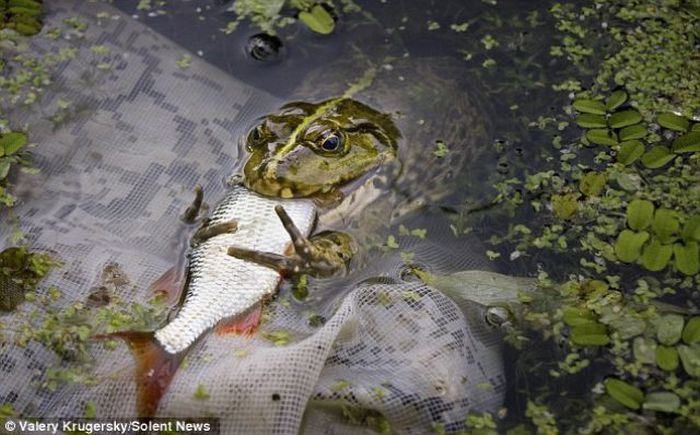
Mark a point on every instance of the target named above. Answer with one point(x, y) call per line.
point(155, 368)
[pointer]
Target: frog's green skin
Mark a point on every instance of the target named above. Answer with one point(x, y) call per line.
point(313, 149)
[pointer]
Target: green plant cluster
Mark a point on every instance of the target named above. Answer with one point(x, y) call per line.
point(23, 16)
point(69, 329)
point(20, 272)
point(272, 15)
point(667, 239)
point(573, 212)
point(11, 155)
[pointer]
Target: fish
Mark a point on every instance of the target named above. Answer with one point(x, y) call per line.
point(218, 286)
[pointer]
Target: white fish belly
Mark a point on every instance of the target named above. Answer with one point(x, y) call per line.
point(222, 286)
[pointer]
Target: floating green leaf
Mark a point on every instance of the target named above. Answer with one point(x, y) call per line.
point(687, 257)
point(630, 151)
point(565, 206)
point(12, 142)
point(688, 143)
point(673, 121)
point(589, 106)
point(657, 157)
point(690, 357)
point(691, 229)
point(615, 100)
point(590, 334)
point(628, 395)
point(602, 136)
point(656, 255)
point(318, 20)
point(691, 332)
point(667, 358)
point(592, 183)
point(4, 168)
point(665, 224)
point(587, 120)
point(575, 316)
point(662, 401)
point(637, 131)
point(669, 328)
point(624, 118)
point(628, 246)
point(639, 214)
point(644, 350)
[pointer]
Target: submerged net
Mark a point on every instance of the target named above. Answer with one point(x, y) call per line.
point(116, 174)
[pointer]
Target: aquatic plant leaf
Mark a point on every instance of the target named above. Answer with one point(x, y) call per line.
point(657, 157)
point(656, 255)
point(691, 332)
point(640, 213)
point(669, 328)
point(667, 358)
point(4, 168)
point(662, 401)
point(590, 334)
point(615, 100)
point(601, 136)
point(690, 358)
point(626, 327)
point(12, 142)
point(630, 151)
point(592, 183)
point(665, 224)
point(575, 316)
point(637, 131)
point(628, 395)
point(687, 257)
point(691, 229)
point(587, 120)
point(624, 118)
point(673, 121)
point(688, 143)
point(589, 106)
point(644, 350)
point(565, 206)
point(318, 20)
point(628, 246)
point(630, 182)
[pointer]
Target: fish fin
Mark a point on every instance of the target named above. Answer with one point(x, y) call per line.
point(155, 368)
point(245, 324)
point(169, 285)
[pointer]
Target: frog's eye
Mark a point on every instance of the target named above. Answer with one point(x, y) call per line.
point(497, 316)
point(331, 141)
point(256, 136)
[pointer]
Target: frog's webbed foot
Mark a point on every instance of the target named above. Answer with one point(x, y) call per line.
point(197, 208)
point(324, 254)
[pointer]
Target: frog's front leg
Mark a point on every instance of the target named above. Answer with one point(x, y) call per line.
point(324, 254)
point(207, 230)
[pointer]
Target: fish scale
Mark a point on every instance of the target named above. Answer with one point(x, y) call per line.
point(222, 286)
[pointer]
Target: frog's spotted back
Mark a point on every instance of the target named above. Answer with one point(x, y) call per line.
point(313, 149)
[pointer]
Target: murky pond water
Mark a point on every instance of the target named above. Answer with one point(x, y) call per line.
point(437, 135)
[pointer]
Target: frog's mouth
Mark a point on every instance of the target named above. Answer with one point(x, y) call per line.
point(257, 178)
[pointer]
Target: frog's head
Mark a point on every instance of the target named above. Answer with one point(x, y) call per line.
point(315, 149)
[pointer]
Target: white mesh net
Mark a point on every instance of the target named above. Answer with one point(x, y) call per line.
point(115, 177)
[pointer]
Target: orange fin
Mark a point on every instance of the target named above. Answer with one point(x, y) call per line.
point(169, 285)
point(245, 324)
point(155, 368)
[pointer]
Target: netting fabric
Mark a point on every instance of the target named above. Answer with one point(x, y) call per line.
point(114, 178)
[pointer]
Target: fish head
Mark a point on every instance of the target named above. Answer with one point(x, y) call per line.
point(310, 149)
